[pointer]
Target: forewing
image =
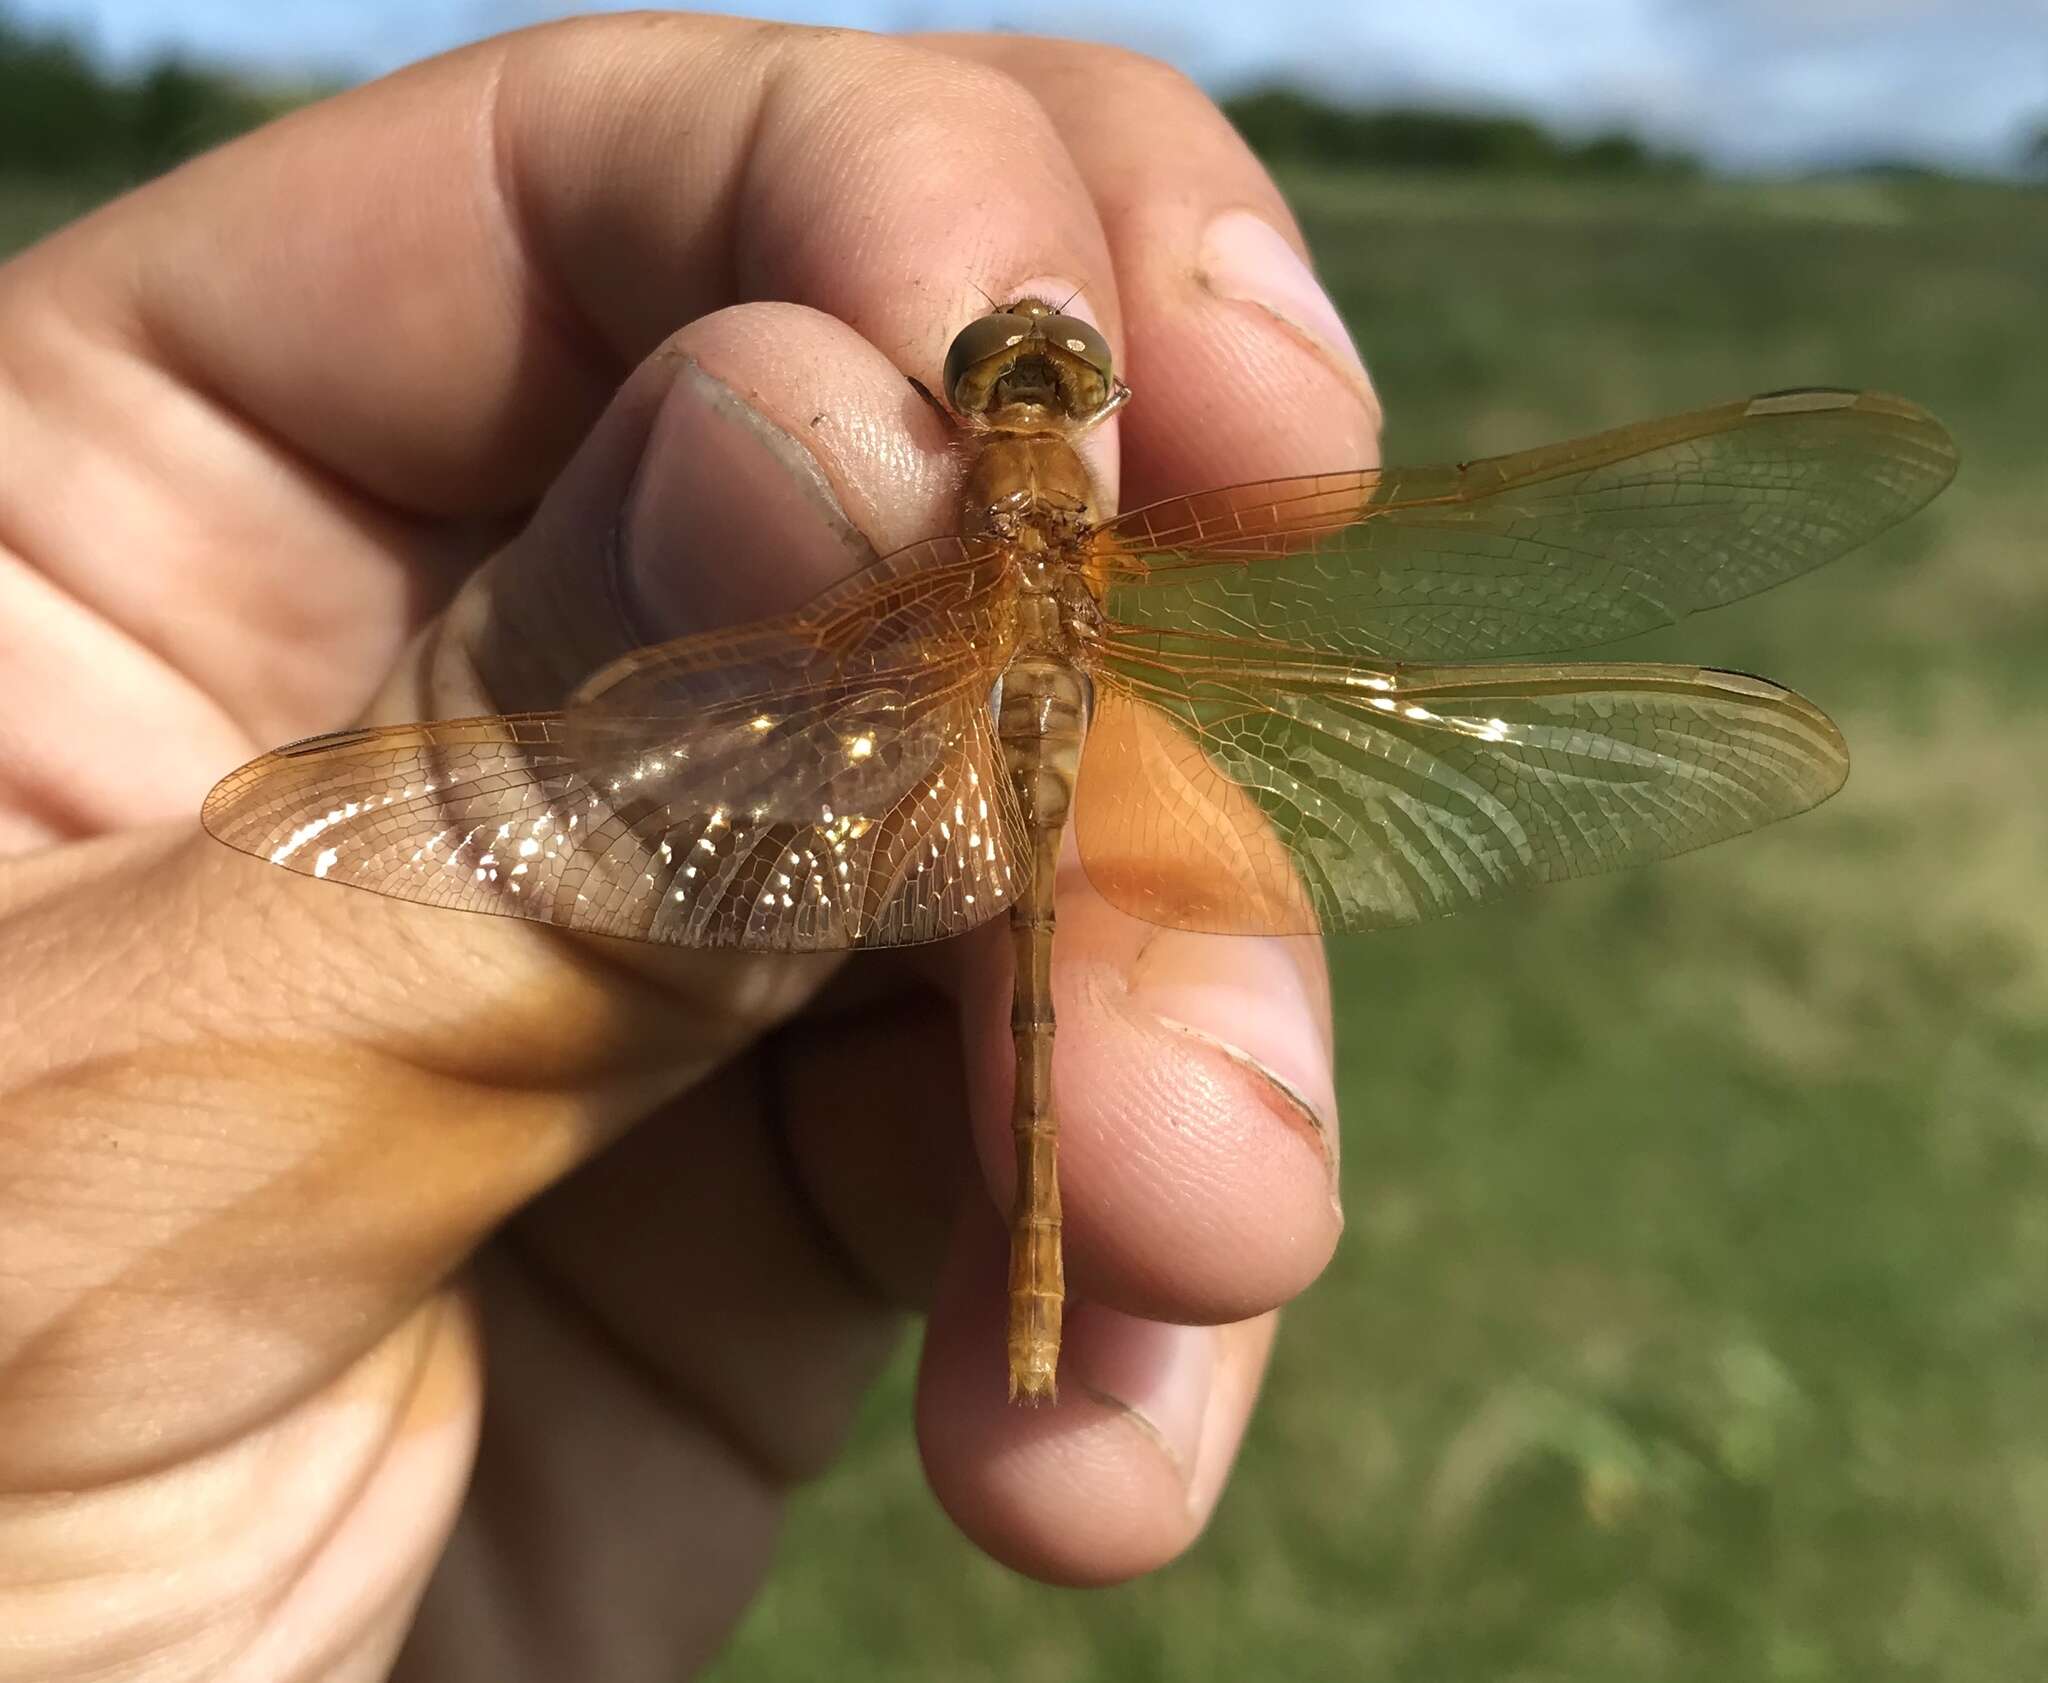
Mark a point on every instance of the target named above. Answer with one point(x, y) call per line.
point(788, 787)
point(1301, 796)
point(1551, 549)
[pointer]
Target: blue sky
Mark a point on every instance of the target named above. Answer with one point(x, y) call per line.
point(1753, 83)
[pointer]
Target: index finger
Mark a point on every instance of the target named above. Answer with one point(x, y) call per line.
point(454, 267)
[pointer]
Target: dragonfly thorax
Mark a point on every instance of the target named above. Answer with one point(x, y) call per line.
point(1029, 487)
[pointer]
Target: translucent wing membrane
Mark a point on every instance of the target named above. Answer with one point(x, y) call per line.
point(1295, 795)
point(825, 782)
point(1551, 549)
point(1293, 728)
point(785, 721)
point(1261, 759)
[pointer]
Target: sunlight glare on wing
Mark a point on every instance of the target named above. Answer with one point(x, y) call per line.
point(1218, 803)
point(514, 828)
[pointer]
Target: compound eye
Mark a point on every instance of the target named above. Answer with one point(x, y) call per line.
point(985, 337)
point(1075, 336)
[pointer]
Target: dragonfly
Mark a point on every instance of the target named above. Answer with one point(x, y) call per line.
point(1316, 705)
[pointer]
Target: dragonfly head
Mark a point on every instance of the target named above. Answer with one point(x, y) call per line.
point(1028, 354)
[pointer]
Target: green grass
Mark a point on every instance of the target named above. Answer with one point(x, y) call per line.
point(1692, 1320)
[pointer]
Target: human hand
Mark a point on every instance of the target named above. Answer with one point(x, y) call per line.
point(331, 424)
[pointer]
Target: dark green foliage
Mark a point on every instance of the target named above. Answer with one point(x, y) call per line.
point(1286, 125)
point(64, 118)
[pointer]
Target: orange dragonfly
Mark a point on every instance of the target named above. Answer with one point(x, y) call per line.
point(1312, 705)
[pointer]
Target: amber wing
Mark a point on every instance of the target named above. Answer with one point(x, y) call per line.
point(1557, 548)
point(818, 783)
point(1264, 760)
point(1287, 801)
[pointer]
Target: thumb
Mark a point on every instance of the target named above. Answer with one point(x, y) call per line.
point(254, 1119)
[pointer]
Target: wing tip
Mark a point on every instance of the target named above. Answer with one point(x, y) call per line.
point(1830, 756)
point(216, 811)
point(1923, 424)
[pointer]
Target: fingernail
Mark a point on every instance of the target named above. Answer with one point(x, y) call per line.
point(1159, 1376)
point(1257, 1002)
point(730, 518)
point(1246, 258)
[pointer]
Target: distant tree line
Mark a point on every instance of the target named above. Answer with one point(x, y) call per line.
point(1285, 125)
point(62, 116)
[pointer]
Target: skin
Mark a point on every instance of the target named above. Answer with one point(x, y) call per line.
point(330, 424)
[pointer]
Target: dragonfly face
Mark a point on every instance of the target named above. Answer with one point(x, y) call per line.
point(1031, 364)
point(1323, 704)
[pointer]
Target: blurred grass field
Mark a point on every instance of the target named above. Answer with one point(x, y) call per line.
point(1692, 1319)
